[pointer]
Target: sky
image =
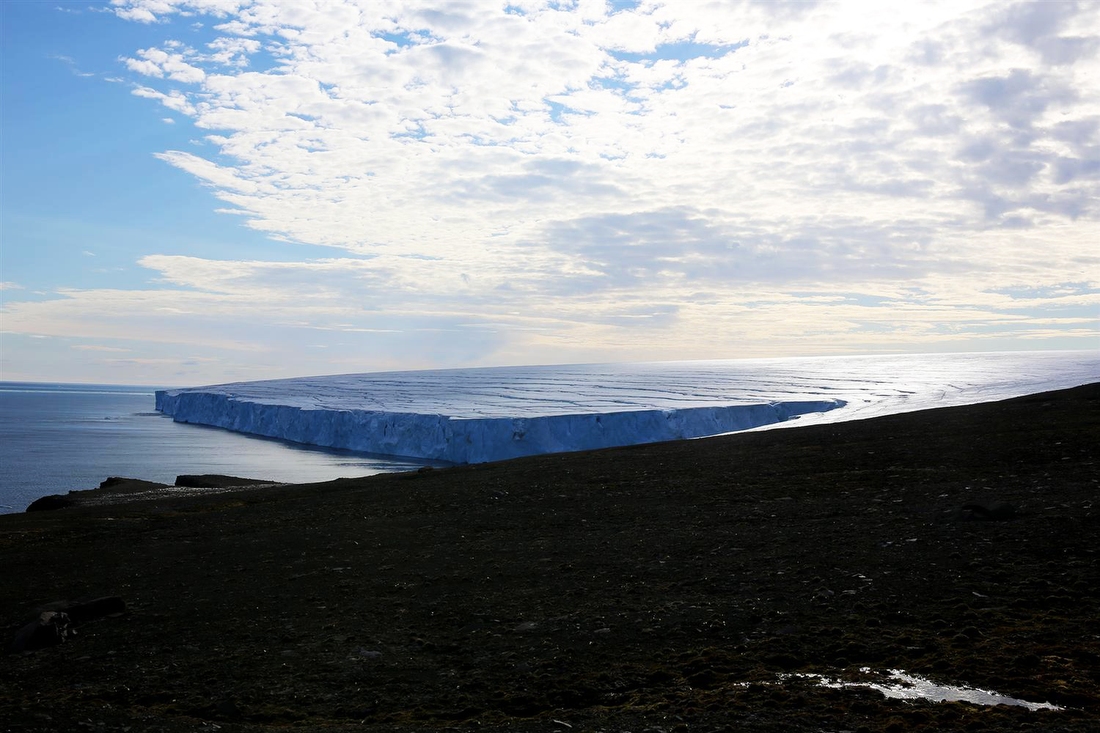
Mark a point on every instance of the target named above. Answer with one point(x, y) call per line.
point(204, 191)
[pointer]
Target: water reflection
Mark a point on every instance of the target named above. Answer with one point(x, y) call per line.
point(901, 685)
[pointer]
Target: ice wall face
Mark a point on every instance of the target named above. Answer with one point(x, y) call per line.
point(469, 439)
point(476, 415)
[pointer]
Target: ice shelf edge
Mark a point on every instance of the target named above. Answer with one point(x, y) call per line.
point(471, 440)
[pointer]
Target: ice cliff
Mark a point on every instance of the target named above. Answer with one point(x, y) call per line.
point(473, 416)
point(476, 415)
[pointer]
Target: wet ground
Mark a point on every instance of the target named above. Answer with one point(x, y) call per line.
point(701, 585)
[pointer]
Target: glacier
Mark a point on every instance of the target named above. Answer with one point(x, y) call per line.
point(478, 415)
point(469, 416)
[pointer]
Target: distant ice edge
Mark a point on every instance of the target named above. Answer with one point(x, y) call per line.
point(471, 440)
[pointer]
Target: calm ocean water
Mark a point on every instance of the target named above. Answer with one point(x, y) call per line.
point(55, 438)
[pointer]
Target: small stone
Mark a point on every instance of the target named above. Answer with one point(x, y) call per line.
point(995, 512)
point(227, 709)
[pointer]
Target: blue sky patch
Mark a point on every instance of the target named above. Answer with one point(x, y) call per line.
point(402, 40)
point(682, 51)
point(1052, 291)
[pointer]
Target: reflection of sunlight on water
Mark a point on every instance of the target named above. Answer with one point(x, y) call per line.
point(903, 686)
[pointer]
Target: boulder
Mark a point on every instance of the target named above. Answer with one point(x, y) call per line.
point(121, 485)
point(50, 503)
point(49, 629)
point(57, 621)
point(81, 612)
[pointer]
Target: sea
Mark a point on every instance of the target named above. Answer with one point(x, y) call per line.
point(55, 438)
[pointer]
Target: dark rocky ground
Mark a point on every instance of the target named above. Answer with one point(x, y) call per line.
point(666, 587)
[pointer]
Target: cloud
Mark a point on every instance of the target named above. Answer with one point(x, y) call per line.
point(1061, 33)
point(569, 174)
point(164, 64)
point(153, 11)
point(441, 107)
point(1018, 98)
point(71, 63)
point(97, 347)
point(687, 247)
point(174, 100)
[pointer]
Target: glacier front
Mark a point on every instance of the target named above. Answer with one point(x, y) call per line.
point(469, 416)
point(489, 414)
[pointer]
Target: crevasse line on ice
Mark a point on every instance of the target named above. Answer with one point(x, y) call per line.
point(470, 439)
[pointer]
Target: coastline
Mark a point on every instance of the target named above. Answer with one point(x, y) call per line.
point(663, 586)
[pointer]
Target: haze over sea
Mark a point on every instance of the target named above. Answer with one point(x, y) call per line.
point(56, 438)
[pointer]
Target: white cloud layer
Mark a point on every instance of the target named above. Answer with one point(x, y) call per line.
point(663, 179)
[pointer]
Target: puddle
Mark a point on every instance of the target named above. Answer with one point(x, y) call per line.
point(902, 686)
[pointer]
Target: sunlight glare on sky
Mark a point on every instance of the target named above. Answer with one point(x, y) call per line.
point(200, 191)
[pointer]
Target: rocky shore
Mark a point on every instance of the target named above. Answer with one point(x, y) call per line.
point(700, 586)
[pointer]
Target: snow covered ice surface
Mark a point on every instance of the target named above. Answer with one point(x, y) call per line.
point(487, 414)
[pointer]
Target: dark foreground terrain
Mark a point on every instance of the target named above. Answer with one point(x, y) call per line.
point(667, 587)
